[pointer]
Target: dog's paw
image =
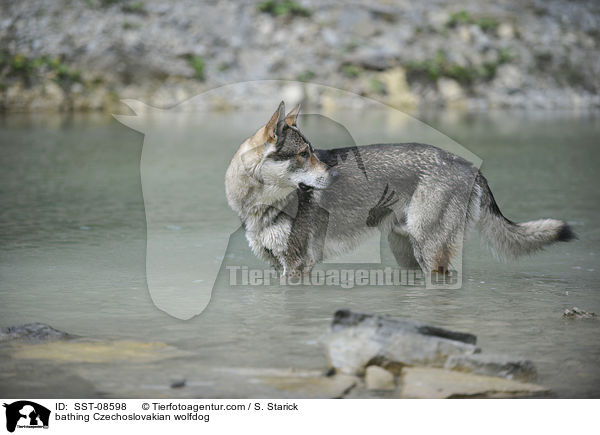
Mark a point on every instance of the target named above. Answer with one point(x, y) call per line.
point(295, 273)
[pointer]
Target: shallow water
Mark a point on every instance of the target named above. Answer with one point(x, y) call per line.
point(73, 255)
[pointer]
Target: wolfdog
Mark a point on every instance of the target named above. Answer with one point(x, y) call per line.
point(299, 205)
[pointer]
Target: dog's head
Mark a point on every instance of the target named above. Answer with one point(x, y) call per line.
point(279, 155)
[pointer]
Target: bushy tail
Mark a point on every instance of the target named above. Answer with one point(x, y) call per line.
point(510, 239)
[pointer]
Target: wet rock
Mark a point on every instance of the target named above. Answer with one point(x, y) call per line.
point(505, 31)
point(463, 34)
point(433, 383)
point(357, 340)
point(53, 94)
point(372, 58)
point(330, 37)
point(493, 365)
point(32, 332)
point(577, 313)
point(508, 78)
point(377, 378)
point(450, 90)
point(358, 21)
point(178, 383)
point(399, 94)
point(383, 12)
point(75, 351)
point(479, 38)
point(438, 18)
point(311, 386)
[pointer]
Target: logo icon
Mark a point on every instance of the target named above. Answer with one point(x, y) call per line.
point(26, 414)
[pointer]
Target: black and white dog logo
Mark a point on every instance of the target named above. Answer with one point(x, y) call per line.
point(26, 414)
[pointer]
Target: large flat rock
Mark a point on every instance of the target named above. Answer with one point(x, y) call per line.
point(493, 365)
point(357, 340)
point(33, 332)
point(312, 386)
point(97, 351)
point(434, 383)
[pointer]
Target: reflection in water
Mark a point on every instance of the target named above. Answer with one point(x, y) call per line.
point(73, 241)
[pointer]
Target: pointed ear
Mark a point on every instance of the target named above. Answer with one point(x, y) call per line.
point(272, 124)
point(281, 121)
point(290, 118)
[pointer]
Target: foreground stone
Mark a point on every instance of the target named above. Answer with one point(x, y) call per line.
point(377, 378)
point(32, 332)
point(357, 340)
point(87, 351)
point(433, 383)
point(493, 365)
point(315, 386)
point(577, 313)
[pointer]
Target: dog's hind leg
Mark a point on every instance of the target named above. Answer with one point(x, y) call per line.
point(403, 250)
point(436, 220)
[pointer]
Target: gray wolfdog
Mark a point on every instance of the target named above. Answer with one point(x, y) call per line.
point(299, 205)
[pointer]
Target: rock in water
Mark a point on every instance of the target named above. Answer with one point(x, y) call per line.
point(357, 340)
point(432, 383)
point(493, 365)
point(307, 387)
point(32, 332)
point(577, 313)
point(178, 383)
point(377, 378)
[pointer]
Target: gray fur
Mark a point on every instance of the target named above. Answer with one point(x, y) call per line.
point(298, 210)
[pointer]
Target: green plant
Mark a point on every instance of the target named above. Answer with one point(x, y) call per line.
point(63, 74)
point(437, 67)
point(20, 62)
point(305, 76)
point(26, 68)
point(134, 8)
point(440, 66)
point(377, 86)
point(351, 46)
point(487, 24)
point(127, 25)
point(279, 8)
point(351, 71)
point(67, 75)
point(505, 56)
point(197, 63)
point(458, 18)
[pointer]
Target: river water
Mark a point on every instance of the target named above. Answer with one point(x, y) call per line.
point(73, 255)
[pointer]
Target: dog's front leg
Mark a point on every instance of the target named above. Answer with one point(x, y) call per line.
point(296, 266)
point(273, 260)
point(291, 268)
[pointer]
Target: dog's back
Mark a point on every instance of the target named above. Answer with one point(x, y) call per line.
point(425, 199)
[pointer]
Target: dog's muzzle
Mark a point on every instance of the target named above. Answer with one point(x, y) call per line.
point(331, 176)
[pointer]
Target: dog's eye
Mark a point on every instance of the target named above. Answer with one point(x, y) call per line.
point(305, 153)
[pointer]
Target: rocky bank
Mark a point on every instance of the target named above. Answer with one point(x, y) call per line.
point(89, 54)
point(370, 356)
